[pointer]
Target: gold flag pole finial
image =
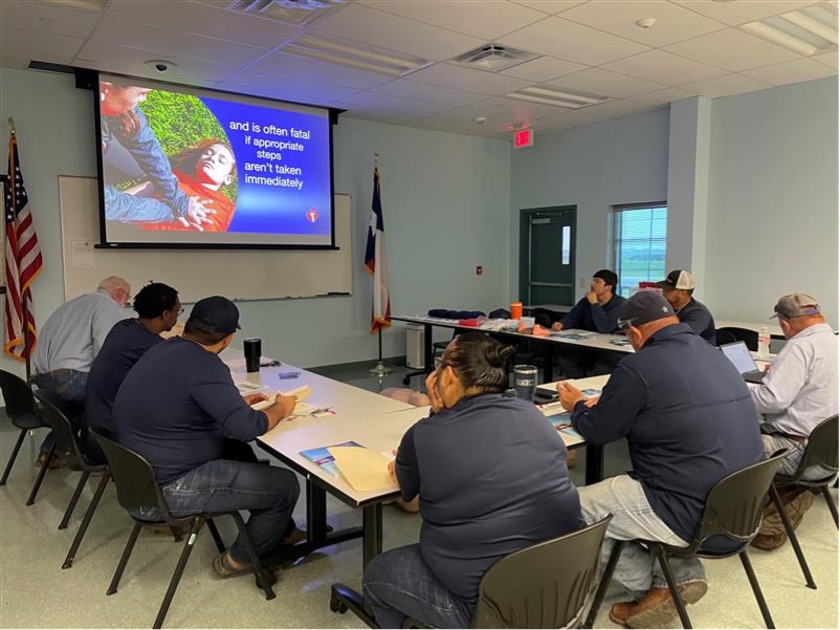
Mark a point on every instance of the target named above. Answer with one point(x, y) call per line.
point(11, 125)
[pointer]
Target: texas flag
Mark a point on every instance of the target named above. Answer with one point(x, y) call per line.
point(375, 262)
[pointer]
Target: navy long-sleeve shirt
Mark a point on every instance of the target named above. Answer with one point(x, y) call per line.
point(586, 316)
point(492, 478)
point(700, 320)
point(688, 418)
point(176, 407)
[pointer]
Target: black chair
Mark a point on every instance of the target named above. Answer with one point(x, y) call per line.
point(749, 337)
point(137, 488)
point(24, 413)
point(67, 445)
point(733, 510)
point(723, 336)
point(821, 451)
point(546, 585)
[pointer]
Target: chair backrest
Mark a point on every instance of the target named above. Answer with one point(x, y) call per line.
point(542, 586)
point(66, 442)
point(132, 474)
point(821, 449)
point(734, 505)
point(749, 337)
point(17, 394)
point(723, 336)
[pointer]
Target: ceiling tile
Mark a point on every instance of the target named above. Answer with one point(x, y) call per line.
point(202, 19)
point(663, 67)
point(407, 88)
point(731, 49)
point(543, 69)
point(560, 38)
point(725, 86)
point(127, 60)
point(827, 59)
point(790, 72)
point(166, 43)
point(742, 11)
point(509, 111)
point(468, 79)
point(47, 18)
point(273, 86)
point(20, 46)
point(662, 97)
point(673, 23)
point(304, 68)
point(378, 116)
point(485, 19)
point(382, 102)
point(605, 83)
point(362, 24)
point(616, 109)
point(552, 7)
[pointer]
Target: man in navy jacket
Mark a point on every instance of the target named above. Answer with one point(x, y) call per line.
point(689, 421)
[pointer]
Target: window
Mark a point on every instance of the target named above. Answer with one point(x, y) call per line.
point(639, 242)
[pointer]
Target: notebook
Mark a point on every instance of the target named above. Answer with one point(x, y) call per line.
point(739, 355)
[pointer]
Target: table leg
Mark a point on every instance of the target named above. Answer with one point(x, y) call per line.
point(372, 536)
point(594, 464)
point(428, 355)
point(316, 513)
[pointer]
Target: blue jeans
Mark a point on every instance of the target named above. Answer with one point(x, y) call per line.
point(790, 464)
point(399, 584)
point(224, 485)
point(66, 390)
point(638, 569)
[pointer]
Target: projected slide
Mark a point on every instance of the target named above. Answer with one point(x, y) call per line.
point(183, 166)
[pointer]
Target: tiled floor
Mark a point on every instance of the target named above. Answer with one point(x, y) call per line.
point(36, 593)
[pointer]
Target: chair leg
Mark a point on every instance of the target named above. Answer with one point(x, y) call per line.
point(132, 538)
point(759, 596)
point(604, 584)
point(37, 485)
point(13, 457)
point(77, 541)
point(672, 584)
point(74, 500)
point(217, 538)
point(830, 500)
point(179, 570)
point(259, 570)
point(794, 541)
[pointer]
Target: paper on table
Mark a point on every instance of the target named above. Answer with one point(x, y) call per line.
point(363, 468)
point(247, 387)
point(301, 409)
point(303, 392)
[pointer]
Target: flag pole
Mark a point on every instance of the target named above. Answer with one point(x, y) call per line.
point(380, 369)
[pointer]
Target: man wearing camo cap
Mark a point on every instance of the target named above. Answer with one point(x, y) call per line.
point(798, 393)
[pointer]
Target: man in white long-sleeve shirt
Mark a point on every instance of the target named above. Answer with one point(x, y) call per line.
point(798, 393)
point(70, 340)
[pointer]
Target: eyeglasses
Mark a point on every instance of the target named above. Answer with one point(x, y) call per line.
point(180, 310)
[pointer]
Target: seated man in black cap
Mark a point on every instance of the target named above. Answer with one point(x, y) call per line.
point(177, 407)
point(689, 422)
point(678, 289)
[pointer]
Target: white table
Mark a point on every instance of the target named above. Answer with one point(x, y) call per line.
point(771, 325)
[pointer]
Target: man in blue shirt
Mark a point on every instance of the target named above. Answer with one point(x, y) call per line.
point(689, 421)
point(678, 289)
point(177, 407)
point(157, 307)
point(596, 311)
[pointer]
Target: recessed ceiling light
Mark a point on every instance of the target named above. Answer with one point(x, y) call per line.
point(645, 22)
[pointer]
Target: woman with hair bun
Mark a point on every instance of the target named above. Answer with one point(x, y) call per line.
point(490, 472)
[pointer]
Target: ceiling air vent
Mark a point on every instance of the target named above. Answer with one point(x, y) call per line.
point(289, 11)
point(494, 57)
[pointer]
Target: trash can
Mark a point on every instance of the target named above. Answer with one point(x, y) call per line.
point(415, 337)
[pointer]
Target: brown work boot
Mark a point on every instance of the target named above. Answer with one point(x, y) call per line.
point(772, 535)
point(657, 609)
point(620, 611)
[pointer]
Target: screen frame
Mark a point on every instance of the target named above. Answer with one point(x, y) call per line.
point(94, 82)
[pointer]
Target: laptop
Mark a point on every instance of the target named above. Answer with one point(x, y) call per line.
point(740, 356)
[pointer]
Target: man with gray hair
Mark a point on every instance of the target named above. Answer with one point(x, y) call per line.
point(798, 392)
point(70, 340)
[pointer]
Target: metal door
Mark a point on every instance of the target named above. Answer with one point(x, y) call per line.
point(547, 256)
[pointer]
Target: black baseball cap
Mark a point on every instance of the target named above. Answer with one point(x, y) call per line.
point(215, 314)
point(644, 307)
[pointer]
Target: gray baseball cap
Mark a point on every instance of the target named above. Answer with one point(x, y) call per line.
point(795, 305)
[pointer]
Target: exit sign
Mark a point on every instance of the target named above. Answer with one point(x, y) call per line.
point(523, 138)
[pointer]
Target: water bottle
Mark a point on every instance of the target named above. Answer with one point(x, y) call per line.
point(764, 342)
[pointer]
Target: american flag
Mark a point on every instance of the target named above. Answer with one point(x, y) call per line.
point(375, 262)
point(23, 263)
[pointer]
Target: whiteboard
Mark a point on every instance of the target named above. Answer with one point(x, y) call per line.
point(236, 274)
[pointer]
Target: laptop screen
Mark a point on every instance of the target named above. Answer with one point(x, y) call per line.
point(740, 356)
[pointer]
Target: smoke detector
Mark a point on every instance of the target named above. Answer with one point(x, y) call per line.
point(494, 57)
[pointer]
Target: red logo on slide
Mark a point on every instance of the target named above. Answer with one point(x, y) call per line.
point(312, 215)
